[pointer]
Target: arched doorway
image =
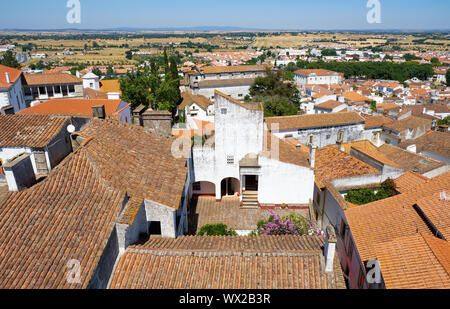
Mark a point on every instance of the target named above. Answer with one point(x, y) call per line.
point(203, 188)
point(230, 186)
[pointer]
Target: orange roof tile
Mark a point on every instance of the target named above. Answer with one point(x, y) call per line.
point(314, 120)
point(14, 75)
point(51, 79)
point(409, 181)
point(412, 262)
point(265, 262)
point(35, 131)
point(71, 107)
point(332, 163)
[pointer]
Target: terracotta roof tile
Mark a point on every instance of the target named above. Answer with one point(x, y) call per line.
point(409, 181)
point(314, 121)
point(267, 262)
point(14, 75)
point(51, 79)
point(394, 217)
point(81, 107)
point(29, 130)
point(189, 98)
point(330, 104)
point(233, 69)
point(408, 123)
point(410, 161)
point(138, 162)
point(411, 263)
point(377, 121)
point(434, 141)
point(332, 163)
point(68, 216)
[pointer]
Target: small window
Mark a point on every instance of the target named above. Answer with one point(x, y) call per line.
point(387, 141)
point(230, 159)
point(155, 228)
point(223, 111)
point(343, 230)
point(328, 136)
point(311, 139)
point(340, 136)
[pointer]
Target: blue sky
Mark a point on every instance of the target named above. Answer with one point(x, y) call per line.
point(265, 14)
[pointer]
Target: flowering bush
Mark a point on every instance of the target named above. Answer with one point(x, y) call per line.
point(293, 224)
point(366, 195)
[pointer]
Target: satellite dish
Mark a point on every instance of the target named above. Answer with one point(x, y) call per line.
point(71, 128)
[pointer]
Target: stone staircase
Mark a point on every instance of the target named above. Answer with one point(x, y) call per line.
point(250, 200)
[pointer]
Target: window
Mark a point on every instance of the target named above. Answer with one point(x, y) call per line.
point(387, 141)
point(311, 139)
point(340, 136)
point(328, 136)
point(223, 111)
point(350, 248)
point(318, 198)
point(230, 159)
point(155, 228)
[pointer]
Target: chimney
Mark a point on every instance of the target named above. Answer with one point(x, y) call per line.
point(98, 111)
point(412, 148)
point(312, 155)
point(330, 249)
point(8, 79)
point(19, 172)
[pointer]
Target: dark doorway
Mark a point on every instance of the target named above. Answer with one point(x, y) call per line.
point(251, 183)
point(230, 186)
point(155, 228)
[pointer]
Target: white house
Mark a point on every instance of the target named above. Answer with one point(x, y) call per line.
point(11, 94)
point(318, 129)
point(90, 80)
point(196, 107)
point(242, 159)
point(44, 137)
point(317, 76)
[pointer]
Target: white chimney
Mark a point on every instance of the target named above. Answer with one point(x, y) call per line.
point(8, 79)
point(412, 148)
point(330, 249)
point(312, 155)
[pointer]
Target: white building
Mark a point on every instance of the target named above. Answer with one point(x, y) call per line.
point(234, 81)
point(11, 94)
point(318, 129)
point(90, 80)
point(244, 160)
point(317, 76)
point(45, 137)
point(196, 107)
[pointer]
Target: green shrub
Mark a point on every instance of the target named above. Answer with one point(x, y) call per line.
point(216, 230)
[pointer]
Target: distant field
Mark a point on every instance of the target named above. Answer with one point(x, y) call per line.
point(112, 49)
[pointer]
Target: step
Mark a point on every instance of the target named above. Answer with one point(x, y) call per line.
point(250, 193)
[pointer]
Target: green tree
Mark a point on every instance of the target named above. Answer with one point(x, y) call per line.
point(216, 230)
point(447, 77)
point(129, 54)
point(9, 60)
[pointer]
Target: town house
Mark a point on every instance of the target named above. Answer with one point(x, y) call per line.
point(11, 94)
point(242, 159)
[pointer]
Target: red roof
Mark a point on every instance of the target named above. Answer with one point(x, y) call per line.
point(14, 74)
point(72, 107)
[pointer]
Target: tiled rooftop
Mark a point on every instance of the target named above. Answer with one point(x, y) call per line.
point(434, 141)
point(68, 216)
point(51, 79)
point(409, 181)
point(29, 130)
point(410, 161)
point(415, 262)
point(394, 217)
point(266, 262)
point(138, 162)
point(314, 121)
point(332, 163)
point(82, 107)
